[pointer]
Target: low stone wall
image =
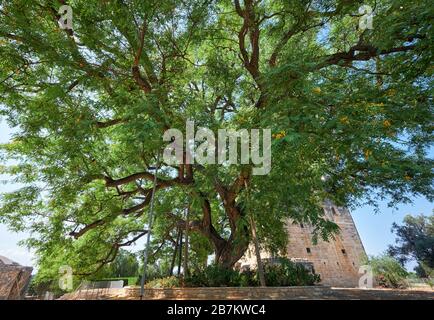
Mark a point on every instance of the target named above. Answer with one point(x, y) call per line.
point(255, 293)
point(279, 293)
point(231, 293)
point(99, 294)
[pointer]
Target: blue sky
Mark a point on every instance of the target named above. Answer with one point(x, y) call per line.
point(374, 228)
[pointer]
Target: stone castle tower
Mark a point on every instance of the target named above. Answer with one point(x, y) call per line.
point(336, 261)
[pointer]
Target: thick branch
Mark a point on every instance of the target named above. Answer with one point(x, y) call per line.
point(108, 123)
point(359, 52)
point(113, 252)
point(250, 27)
point(85, 229)
point(142, 82)
point(140, 175)
point(285, 38)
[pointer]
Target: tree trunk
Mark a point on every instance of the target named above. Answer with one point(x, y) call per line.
point(185, 265)
point(175, 251)
point(180, 253)
point(227, 251)
point(257, 253)
point(255, 240)
point(230, 252)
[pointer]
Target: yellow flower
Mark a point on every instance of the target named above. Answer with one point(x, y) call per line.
point(279, 135)
point(386, 123)
point(407, 177)
point(390, 92)
point(317, 90)
point(367, 153)
point(344, 120)
point(15, 141)
point(381, 104)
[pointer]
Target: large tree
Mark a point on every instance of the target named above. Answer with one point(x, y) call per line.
point(350, 110)
point(415, 241)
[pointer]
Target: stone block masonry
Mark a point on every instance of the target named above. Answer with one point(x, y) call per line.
point(337, 261)
point(256, 293)
point(14, 279)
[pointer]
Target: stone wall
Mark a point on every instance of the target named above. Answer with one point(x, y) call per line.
point(13, 280)
point(336, 261)
point(256, 293)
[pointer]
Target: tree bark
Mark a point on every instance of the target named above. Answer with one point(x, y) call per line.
point(185, 264)
point(228, 252)
point(180, 253)
point(175, 251)
point(255, 240)
point(257, 253)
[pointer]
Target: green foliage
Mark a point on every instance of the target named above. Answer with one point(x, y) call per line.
point(284, 273)
point(351, 105)
point(287, 273)
point(153, 271)
point(39, 288)
point(168, 282)
point(415, 240)
point(388, 272)
point(249, 278)
point(124, 265)
point(214, 276)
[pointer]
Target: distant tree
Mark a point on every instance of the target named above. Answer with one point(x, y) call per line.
point(415, 240)
point(124, 265)
point(388, 272)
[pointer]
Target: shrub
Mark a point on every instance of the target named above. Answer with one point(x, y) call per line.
point(153, 272)
point(167, 282)
point(249, 278)
point(288, 273)
point(284, 273)
point(388, 272)
point(214, 276)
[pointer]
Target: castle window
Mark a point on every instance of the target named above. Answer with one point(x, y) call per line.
point(308, 250)
point(301, 225)
point(343, 251)
point(334, 211)
point(337, 263)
